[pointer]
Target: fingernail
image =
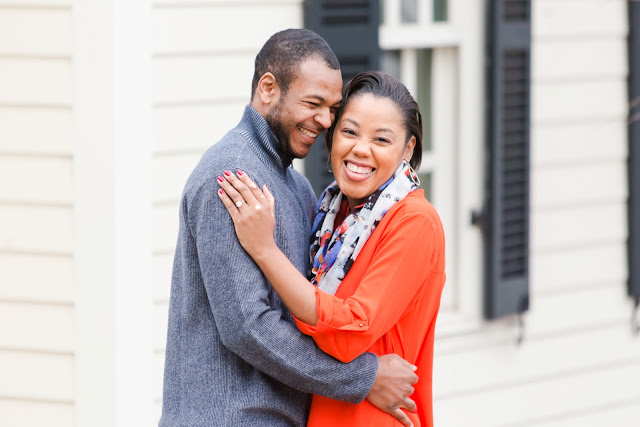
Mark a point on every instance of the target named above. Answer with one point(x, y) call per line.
point(221, 191)
point(227, 173)
point(220, 179)
point(240, 173)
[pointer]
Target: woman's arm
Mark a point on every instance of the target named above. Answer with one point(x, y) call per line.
point(343, 328)
point(400, 273)
point(254, 221)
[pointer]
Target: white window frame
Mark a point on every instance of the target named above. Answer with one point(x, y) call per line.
point(457, 133)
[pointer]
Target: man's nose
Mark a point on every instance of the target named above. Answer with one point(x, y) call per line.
point(324, 117)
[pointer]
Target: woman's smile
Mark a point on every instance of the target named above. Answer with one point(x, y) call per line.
point(358, 172)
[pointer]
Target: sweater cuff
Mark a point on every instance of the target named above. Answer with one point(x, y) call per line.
point(369, 378)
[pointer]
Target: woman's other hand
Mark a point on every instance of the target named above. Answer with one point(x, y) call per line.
point(252, 211)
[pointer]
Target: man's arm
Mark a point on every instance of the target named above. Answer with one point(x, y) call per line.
point(248, 323)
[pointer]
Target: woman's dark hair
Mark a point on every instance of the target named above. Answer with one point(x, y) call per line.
point(283, 53)
point(382, 85)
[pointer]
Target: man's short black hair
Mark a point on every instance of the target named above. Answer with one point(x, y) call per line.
point(283, 53)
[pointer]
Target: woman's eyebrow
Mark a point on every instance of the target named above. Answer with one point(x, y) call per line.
point(387, 130)
point(347, 119)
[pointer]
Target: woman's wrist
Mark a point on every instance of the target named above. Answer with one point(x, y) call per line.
point(263, 252)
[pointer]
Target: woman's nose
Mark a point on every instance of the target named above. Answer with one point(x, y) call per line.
point(361, 148)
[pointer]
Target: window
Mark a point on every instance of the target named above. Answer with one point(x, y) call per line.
point(423, 43)
point(436, 48)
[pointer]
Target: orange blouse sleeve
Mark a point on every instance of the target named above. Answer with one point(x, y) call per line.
point(401, 263)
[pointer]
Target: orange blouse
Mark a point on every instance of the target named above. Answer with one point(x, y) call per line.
point(387, 303)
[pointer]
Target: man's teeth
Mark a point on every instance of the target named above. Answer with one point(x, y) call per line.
point(307, 132)
point(358, 169)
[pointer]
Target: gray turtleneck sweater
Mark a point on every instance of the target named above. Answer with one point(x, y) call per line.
point(234, 356)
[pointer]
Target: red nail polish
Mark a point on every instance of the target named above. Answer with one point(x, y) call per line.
point(221, 191)
point(227, 173)
point(220, 179)
point(240, 173)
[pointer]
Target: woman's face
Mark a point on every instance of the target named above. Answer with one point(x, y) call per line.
point(369, 143)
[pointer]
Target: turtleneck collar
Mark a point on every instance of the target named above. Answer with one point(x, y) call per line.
point(256, 129)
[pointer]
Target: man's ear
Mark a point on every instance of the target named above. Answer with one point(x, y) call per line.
point(268, 89)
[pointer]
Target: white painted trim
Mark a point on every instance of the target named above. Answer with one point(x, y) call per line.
point(470, 155)
point(425, 12)
point(420, 35)
point(417, 37)
point(112, 211)
point(133, 148)
point(444, 134)
point(466, 154)
point(409, 70)
point(391, 11)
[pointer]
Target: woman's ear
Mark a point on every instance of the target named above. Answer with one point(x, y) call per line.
point(408, 149)
point(268, 89)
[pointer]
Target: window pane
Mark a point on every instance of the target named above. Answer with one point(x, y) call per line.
point(440, 10)
point(409, 11)
point(425, 183)
point(424, 95)
point(390, 63)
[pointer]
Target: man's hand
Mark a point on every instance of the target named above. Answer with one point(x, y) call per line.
point(393, 386)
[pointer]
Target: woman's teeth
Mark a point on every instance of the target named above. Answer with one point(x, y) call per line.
point(358, 169)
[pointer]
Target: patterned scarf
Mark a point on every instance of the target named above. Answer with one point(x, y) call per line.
point(334, 252)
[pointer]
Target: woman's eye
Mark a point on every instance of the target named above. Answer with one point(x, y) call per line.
point(383, 140)
point(348, 132)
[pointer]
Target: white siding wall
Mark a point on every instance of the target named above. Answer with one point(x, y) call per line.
point(579, 364)
point(36, 259)
point(203, 54)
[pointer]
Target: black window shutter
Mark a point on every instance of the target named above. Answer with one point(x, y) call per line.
point(505, 215)
point(634, 149)
point(351, 29)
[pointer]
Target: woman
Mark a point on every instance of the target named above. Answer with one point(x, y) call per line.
point(377, 246)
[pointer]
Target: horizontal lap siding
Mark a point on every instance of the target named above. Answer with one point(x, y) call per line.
point(579, 363)
point(203, 53)
point(51, 136)
point(24, 413)
point(36, 208)
point(559, 397)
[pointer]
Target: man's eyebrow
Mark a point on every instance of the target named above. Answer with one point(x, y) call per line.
point(321, 99)
point(318, 97)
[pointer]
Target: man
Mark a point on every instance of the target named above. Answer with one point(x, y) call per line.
point(234, 356)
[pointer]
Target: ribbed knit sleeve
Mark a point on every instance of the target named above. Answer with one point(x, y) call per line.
point(249, 323)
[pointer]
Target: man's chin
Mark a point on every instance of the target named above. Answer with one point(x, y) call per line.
point(302, 153)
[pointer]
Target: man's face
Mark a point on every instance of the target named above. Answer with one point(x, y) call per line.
point(307, 108)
